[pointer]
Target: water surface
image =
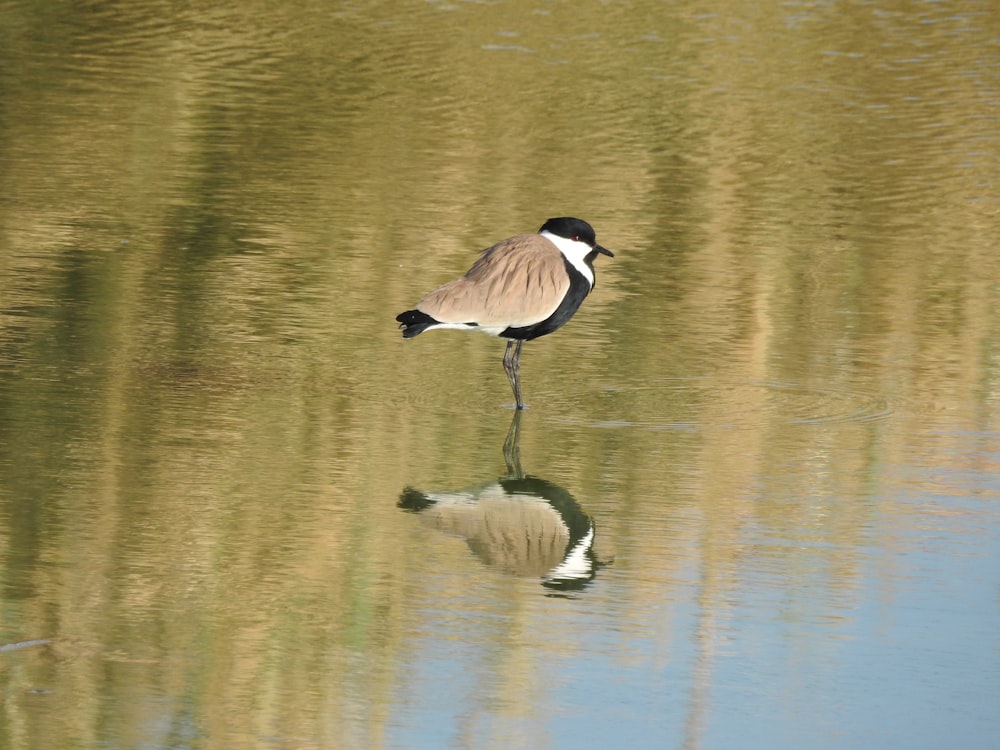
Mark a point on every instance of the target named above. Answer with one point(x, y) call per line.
point(755, 501)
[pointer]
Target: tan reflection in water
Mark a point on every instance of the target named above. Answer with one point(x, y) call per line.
point(254, 206)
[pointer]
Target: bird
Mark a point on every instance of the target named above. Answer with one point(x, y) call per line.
point(521, 288)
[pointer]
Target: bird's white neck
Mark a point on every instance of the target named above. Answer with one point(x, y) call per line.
point(574, 251)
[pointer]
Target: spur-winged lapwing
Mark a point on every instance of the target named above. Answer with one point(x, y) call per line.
point(519, 289)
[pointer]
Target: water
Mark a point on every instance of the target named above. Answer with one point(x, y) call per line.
point(755, 501)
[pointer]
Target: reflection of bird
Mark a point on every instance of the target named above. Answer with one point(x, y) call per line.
point(521, 524)
point(525, 527)
point(519, 289)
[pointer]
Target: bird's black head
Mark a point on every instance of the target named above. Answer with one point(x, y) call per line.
point(574, 229)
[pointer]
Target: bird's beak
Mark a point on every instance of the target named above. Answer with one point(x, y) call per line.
point(604, 251)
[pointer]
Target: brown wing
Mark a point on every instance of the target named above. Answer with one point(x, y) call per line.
point(517, 282)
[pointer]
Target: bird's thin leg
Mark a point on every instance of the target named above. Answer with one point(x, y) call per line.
point(512, 366)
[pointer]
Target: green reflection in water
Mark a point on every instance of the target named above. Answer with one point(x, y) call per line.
point(778, 405)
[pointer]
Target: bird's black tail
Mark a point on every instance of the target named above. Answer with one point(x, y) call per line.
point(413, 322)
point(413, 500)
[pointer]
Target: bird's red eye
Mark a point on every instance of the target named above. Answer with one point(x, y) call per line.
point(576, 238)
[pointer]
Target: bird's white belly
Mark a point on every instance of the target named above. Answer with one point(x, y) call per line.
point(495, 330)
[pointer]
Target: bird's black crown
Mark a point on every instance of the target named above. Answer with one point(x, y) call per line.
point(571, 229)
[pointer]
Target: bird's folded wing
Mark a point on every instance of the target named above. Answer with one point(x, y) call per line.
point(517, 282)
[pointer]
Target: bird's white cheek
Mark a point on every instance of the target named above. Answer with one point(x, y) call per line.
point(575, 252)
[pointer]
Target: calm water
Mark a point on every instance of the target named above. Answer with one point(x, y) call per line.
point(754, 503)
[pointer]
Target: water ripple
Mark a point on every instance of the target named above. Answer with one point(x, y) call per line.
point(698, 403)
